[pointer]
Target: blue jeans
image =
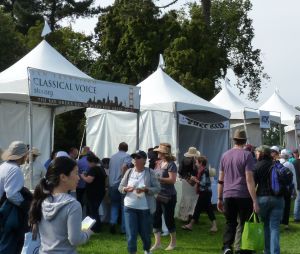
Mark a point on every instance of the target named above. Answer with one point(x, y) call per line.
point(116, 199)
point(138, 222)
point(271, 210)
point(297, 207)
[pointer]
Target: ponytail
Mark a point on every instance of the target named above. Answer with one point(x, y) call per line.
point(41, 192)
point(60, 165)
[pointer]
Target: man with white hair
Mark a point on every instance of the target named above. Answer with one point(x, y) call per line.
point(12, 198)
point(38, 170)
point(284, 156)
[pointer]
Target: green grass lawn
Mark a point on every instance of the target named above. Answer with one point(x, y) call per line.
point(198, 241)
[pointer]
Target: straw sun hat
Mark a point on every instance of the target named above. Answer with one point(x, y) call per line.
point(163, 148)
point(15, 151)
point(192, 152)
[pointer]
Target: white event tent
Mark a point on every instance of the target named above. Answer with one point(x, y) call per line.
point(162, 100)
point(14, 98)
point(281, 108)
point(242, 116)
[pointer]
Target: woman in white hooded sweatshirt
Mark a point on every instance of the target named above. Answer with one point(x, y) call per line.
point(55, 214)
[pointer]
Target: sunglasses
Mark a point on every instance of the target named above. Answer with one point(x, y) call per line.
point(137, 157)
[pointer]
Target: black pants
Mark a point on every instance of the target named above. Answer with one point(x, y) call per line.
point(287, 208)
point(204, 205)
point(168, 211)
point(92, 210)
point(80, 195)
point(234, 207)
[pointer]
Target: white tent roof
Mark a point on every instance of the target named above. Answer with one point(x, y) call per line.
point(226, 99)
point(160, 92)
point(14, 80)
point(276, 104)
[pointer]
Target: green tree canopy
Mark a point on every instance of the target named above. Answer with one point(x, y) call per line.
point(128, 41)
point(203, 54)
point(198, 49)
point(11, 41)
point(27, 12)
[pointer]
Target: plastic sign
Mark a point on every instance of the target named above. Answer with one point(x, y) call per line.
point(264, 117)
point(59, 89)
point(207, 126)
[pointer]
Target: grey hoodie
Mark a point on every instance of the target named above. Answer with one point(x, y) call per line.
point(60, 226)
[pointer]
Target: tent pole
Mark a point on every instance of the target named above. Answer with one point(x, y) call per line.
point(30, 133)
point(84, 130)
point(296, 123)
point(280, 132)
point(138, 130)
point(177, 130)
point(52, 125)
point(245, 125)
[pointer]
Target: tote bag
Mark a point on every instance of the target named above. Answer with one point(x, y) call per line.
point(31, 246)
point(253, 234)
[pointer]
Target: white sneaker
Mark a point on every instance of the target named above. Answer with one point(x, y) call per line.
point(227, 251)
point(147, 252)
point(165, 233)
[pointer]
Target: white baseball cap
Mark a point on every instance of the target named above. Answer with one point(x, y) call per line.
point(275, 148)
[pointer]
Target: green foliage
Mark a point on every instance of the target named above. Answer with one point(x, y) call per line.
point(128, 42)
point(203, 53)
point(273, 136)
point(76, 47)
point(69, 128)
point(25, 13)
point(56, 10)
point(198, 50)
point(12, 45)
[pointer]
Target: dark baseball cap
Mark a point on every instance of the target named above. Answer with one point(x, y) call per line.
point(139, 154)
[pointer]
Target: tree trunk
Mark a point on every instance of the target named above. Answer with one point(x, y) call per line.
point(206, 6)
point(52, 15)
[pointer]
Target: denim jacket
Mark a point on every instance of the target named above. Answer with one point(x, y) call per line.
point(151, 183)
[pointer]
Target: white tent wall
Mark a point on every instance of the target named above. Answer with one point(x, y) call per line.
point(157, 127)
point(15, 126)
point(106, 129)
point(253, 132)
point(290, 140)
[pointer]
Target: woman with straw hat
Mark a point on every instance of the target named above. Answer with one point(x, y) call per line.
point(13, 201)
point(167, 197)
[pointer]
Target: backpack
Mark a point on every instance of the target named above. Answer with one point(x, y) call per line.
point(281, 179)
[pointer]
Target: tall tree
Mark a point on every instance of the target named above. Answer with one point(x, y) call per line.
point(77, 47)
point(128, 41)
point(201, 56)
point(25, 13)
point(11, 41)
point(56, 10)
point(206, 8)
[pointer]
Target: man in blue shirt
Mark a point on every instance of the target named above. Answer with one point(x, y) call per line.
point(118, 165)
point(11, 184)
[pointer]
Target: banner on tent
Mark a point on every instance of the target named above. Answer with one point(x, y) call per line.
point(264, 117)
point(54, 88)
point(207, 126)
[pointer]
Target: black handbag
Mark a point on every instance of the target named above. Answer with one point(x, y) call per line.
point(163, 198)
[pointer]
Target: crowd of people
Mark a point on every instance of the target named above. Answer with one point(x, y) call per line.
point(136, 199)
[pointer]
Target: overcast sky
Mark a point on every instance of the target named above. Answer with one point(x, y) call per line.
point(277, 34)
